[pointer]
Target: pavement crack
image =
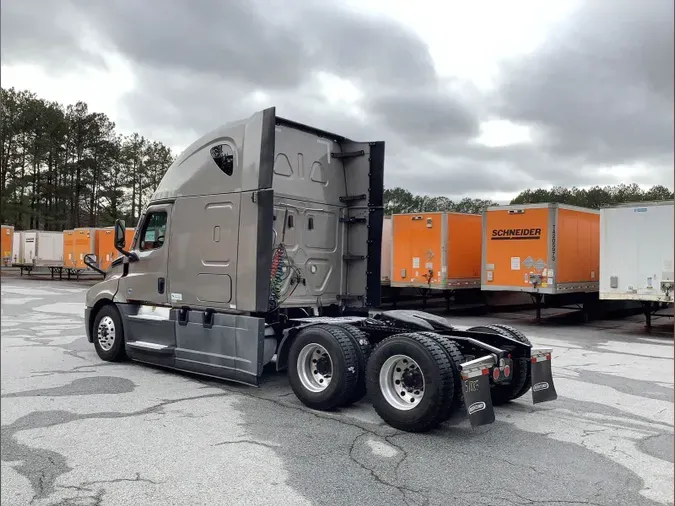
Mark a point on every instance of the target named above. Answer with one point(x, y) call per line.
point(136, 479)
point(405, 491)
point(75, 370)
point(246, 441)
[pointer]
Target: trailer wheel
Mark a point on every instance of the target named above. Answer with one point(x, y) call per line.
point(517, 334)
point(502, 394)
point(109, 334)
point(456, 357)
point(410, 381)
point(363, 351)
point(323, 366)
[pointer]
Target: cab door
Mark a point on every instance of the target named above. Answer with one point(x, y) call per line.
point(147, 316)
point(146, 281)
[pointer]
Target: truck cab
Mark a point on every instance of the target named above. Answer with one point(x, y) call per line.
point(261, 245)
point(257, 220)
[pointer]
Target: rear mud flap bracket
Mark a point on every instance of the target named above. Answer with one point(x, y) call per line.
point(475, 376)
point(543, 389)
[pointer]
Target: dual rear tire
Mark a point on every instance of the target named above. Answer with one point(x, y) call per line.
point(412, 379)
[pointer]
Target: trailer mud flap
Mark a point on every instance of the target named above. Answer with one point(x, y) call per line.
point(543, 389)
point(476, 389)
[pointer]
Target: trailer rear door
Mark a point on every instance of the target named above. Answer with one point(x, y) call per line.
point(515, 246)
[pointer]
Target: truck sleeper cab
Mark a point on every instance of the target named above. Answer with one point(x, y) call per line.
point(262, 245)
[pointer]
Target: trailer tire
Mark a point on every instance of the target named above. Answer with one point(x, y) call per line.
point(329, 379)
point(437, 388)
point(517, 334)
point(108, 334)
point(503, 394)
point(363, 351)
point(456, 357)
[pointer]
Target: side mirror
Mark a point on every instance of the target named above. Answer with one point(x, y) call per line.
point(90, 261)
point(120, 239)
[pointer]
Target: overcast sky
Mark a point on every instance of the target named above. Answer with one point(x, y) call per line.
point(479, 99)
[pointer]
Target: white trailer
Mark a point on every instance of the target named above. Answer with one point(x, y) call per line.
point(40, 248)
point(49, 251)
point(385, 265)
point(636, 254)
point(16, 247)
point(28, 247)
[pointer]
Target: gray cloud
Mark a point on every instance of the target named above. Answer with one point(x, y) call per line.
point(44, 32)
point(598, 92)
point(601, 87)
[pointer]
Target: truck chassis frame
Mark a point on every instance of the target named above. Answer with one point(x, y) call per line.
point(391, 357)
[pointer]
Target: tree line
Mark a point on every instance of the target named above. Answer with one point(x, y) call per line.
point(64, 167)
point(400, 200)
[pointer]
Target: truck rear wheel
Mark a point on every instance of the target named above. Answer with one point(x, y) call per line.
point(456, 357)
point(505, 393)
point(363, 351)
point(410, 381)
point(323, 366)
point(109, 334)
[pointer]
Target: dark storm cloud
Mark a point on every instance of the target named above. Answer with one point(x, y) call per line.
point(426, 117)
point(598, 91)
point(44, 32)
point(602, 85)
point(264, 43)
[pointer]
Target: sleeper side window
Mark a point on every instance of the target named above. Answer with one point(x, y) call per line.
point(224, 158)
point(154, 229)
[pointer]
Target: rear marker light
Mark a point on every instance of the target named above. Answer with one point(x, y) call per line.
point(548, 356)
point(533, 360)
point(484, 372)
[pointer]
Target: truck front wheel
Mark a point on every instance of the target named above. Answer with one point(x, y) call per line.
point(109, 334)
point(410, 382)
point(323, 367)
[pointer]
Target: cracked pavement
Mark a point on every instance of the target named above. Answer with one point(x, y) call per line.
point(79, 431)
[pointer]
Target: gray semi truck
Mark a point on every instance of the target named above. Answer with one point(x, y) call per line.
point(261, 248)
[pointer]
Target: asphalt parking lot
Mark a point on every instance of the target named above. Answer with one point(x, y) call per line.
point(79, 431)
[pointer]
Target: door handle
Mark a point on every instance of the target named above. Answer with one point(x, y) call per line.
point(160, 285)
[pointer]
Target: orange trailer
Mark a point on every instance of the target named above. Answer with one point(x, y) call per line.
point(7, 244)
point(437, 250)
point(83, 244)
point(541, 248)
point(69, 249)
point(105, 247)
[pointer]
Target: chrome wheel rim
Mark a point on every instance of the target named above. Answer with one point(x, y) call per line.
point(402, 382)
point(105, 333)
point(315, 368)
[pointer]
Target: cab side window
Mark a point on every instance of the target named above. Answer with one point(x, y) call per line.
point(224, 158)
point(152, 233)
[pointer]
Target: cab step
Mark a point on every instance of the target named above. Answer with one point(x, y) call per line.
point(152, 347)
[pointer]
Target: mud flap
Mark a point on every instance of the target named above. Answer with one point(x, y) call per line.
point(543, 389)
point(475, 376)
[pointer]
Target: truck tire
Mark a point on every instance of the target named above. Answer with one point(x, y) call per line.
point(323, 366)
point(108, 334)
point(410, 381)
point(456, 357)
point(517, 334)
point(503, 394)
point(363, 351)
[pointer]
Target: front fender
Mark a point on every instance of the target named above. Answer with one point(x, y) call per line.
point(99, 294)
